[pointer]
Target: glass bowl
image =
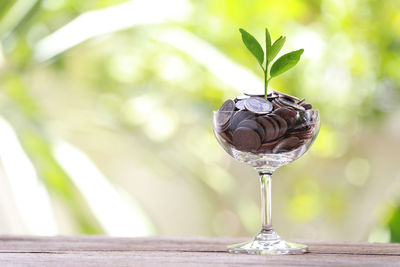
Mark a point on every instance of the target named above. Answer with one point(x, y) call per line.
point(266, 142)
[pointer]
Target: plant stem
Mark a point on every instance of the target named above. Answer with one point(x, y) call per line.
point(266, 80)
point(266, 84)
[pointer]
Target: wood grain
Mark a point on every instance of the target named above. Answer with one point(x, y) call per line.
point(179, 251)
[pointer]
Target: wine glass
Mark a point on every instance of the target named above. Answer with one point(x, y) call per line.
point(265, 159)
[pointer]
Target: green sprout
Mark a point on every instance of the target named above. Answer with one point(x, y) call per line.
point(281, 65)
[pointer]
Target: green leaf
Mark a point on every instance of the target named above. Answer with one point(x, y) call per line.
point(253, 46)
point(267, 44)
point(285, 62)
point(276, 47)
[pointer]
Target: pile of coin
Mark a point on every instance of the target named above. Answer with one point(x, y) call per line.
point(273, 125)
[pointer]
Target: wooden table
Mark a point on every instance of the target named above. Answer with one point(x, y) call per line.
point(179, 251)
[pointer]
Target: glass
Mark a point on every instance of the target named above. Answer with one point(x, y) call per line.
point(265, 160)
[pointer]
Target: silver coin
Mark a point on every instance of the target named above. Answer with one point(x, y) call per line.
point(240, 104)
point(258, 105)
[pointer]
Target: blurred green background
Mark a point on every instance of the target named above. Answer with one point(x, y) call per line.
point(105, 118)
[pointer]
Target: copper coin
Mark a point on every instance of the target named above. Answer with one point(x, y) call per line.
point(282, 124)
point(302, 126)
point(226, 136)
point(286, 144)
point(246, 139)
point(258, 105)
point(271, 143)
point(269, 128)
point(288, 102)
point(289, 115)
point(301, 101)
point(306, 106)
point(254, 125)
point(276, 104)
point(267, 147)
point(286, 95)
point(238, 117)
point(275, 124)
point(307, 133)
point(303, 136)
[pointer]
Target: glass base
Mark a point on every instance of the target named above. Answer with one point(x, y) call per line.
point(267, 242)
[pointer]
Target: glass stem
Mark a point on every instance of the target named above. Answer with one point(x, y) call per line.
point(266, 209)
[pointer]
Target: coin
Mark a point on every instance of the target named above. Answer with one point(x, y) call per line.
point(304, 133)
point(271, 97)
point(254, 125)
point(224, 114)
point(306, 106)
point(246, 139)
point(269, 128)
point(286, 144)
point(282, 124)
point(240, 104)
point(301, 101)
point(271, 143)
point(289, 115)
point(301, 127)
point(241, 97)
point(228, 105)
point(255, 95)
point(276, 104)
point(258, 105)
point(267, 147)
point(288, 102)
point(275, 124)
point(286, 95)
point(226, 136)
point(238, 117)
point(222, 120)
